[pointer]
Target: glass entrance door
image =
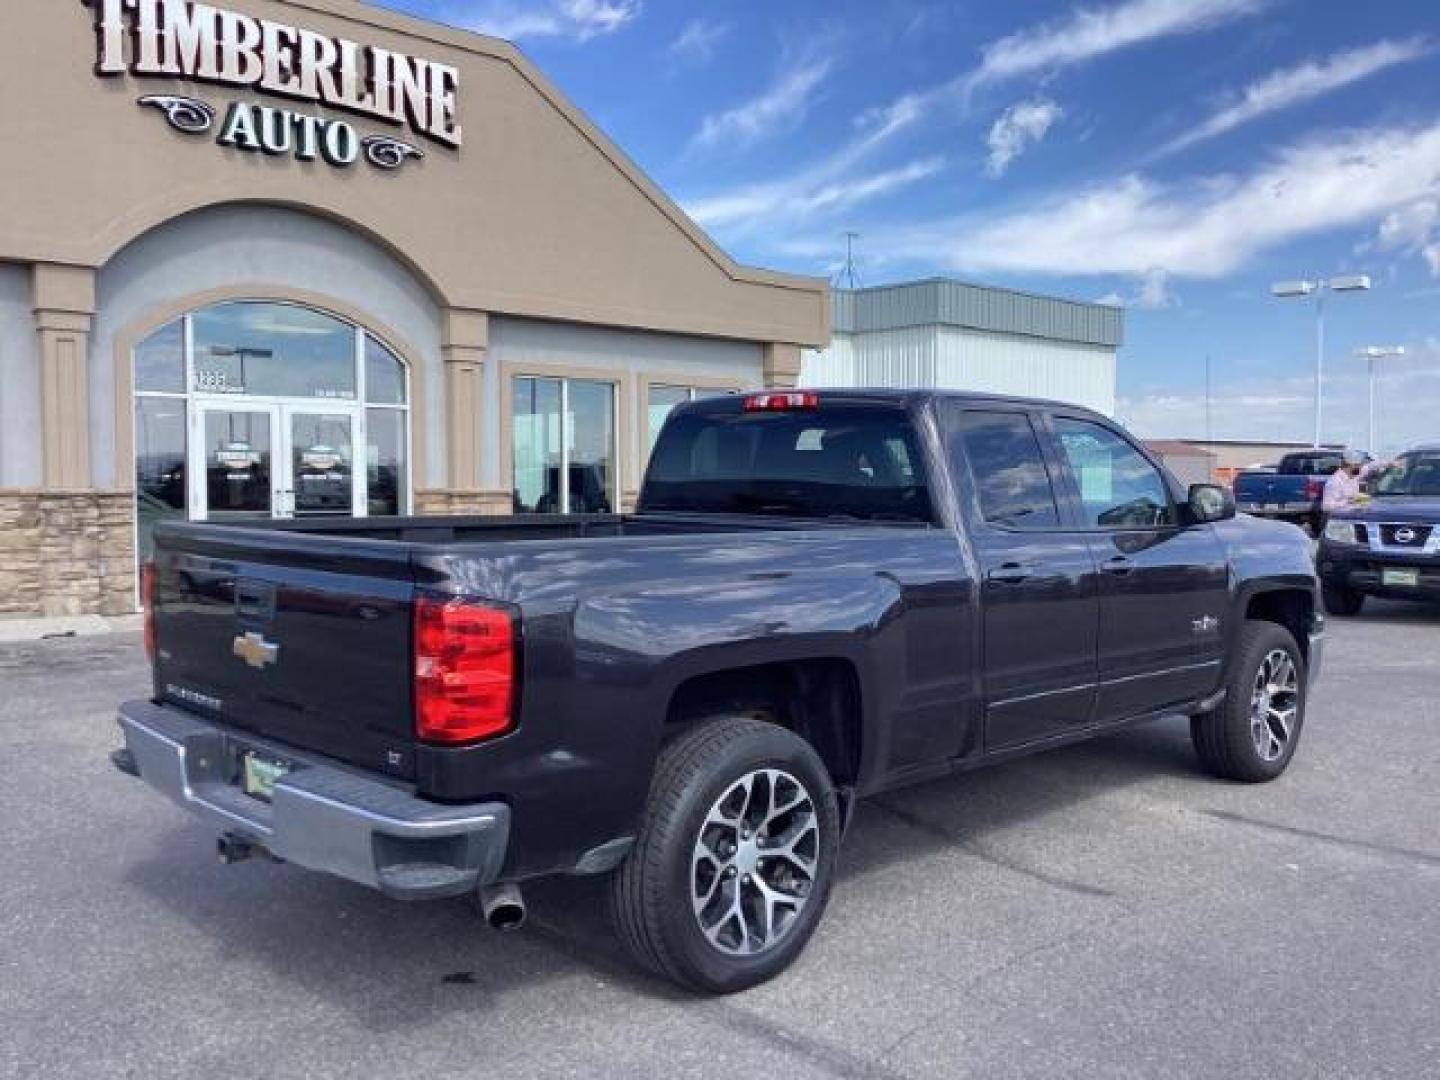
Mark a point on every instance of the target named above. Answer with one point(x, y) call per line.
point(233, 463)
point(321, 479)
point(274, 460)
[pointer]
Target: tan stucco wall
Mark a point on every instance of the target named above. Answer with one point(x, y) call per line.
point(537, 214)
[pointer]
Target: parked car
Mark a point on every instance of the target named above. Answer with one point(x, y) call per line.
point(1292, 491)
point(821, 596)
point(1391, 546)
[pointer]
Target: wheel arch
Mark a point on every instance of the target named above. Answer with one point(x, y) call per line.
point(819, 698)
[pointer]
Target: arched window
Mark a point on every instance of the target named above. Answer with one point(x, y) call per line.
point(251, 409)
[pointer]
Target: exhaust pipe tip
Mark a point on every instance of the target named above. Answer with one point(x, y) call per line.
point(503, 907)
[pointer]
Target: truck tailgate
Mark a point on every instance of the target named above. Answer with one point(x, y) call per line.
point(303, 639)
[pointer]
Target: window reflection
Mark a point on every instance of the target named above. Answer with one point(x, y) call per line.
point(159, 466)
point(237, 463)
point(663, 399)
point(385, 457)
point(322, 464)
point(535, 425)
point(160, 360)
point(384, 375)
point(276, 350)
point(563, 463)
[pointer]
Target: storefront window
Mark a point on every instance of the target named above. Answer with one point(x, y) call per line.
point(159, 466)
point(160, 361)
point(564, 446)
point(386, 493)
point(662, 400)
point(278, 425)
point(384, 375)
point(273, 350)
point(536, 426)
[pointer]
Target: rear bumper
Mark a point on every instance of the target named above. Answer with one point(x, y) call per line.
point(320, 816)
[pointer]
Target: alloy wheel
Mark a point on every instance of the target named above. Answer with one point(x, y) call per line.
point(1274, 704)
point(754, 862)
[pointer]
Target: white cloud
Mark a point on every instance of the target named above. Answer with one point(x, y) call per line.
point(1415, 230)
point(1024, 124)
point(781, 105)
point(788, 201)
point(1204, 227)
point(698, 40)
point(1087, 33)
point(1292, 86)
point(579, 20)
point(1151, 293)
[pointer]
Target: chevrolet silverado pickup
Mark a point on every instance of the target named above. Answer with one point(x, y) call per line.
point(1390, 546)
point(820, 595)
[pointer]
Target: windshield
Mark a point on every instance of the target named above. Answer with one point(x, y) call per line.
point(1411, 474)
point(840, 461)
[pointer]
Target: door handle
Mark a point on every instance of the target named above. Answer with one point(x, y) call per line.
point(1011, 573)
point(1119, 565)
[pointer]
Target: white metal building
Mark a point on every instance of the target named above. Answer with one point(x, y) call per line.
point(958, 336)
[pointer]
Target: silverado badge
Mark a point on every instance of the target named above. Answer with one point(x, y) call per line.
point(255, 650)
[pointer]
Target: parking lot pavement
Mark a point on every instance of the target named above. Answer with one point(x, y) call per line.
point(1099, 911)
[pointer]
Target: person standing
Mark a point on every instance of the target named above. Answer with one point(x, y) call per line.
point(1343, 491)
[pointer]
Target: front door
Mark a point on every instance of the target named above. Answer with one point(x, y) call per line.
point(1164, 586)
point(1038, 581)
point(259, 460)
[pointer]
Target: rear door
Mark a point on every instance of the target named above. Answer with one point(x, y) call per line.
point(299, 638)
point(1164, 585)
point(1039, 592)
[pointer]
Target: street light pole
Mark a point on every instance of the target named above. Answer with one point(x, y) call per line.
point(1370, 354)
point(1318, 288)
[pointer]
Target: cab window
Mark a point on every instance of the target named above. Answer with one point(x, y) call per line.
point(1007, 468)
point(1119, 488)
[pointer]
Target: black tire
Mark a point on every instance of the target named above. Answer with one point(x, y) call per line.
point(651, 891)
point(1341, 601)
point(1224, 738)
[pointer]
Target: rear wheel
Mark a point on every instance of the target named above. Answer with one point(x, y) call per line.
point(1252, 735)
point(1342, 601)
point(734, 863)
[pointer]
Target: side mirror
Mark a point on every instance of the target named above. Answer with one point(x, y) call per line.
point(1210, 502)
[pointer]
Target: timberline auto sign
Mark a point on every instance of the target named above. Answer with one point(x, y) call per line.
point(181, 39)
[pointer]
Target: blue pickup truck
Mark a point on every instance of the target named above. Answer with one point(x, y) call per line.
point(1292, 492)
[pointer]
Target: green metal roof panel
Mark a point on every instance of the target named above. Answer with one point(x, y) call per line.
point(980, 307)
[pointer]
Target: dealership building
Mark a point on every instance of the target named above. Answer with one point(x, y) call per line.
point(294, 258)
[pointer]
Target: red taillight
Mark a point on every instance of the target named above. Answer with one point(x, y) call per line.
point(147, 602)
point(1314, 487)
point(782, 401)
point(464, 671)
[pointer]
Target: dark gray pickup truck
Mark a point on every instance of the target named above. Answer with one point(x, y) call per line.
point(820, 596)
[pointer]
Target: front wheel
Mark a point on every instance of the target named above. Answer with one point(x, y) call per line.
point(1252, 735)
point(735, 859)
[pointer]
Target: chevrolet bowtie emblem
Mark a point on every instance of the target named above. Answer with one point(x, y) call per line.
point(255, 650)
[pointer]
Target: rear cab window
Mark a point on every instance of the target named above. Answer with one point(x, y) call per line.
point(840, 459)
point(1007, 468)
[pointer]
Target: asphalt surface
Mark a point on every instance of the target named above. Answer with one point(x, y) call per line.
point(1102, 911)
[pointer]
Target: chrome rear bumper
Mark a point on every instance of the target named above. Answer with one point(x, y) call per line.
point(319, 816)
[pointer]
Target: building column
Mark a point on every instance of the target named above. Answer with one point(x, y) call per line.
point(780, 365)
point(64, 303)
point(464, 346)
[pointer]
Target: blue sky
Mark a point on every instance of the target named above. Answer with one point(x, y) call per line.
point(1174, 155)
